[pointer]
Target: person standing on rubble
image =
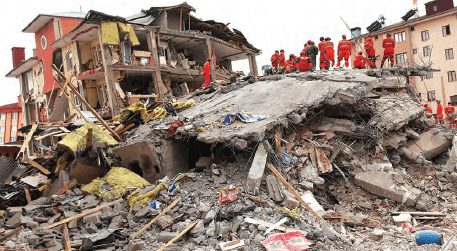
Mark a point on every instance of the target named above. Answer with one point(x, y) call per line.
point(321, 47)
point(275, 60)
point(206, 71)
point(312, 54)
point(370, 51)
point(439, 111)
point(282, 59)
point(329, 52)
point(344, 51)
point(305, 48)
point(389, 50)
point(448, 111)
point(360, 61)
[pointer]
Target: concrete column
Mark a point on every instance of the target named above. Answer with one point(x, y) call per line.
point(209, 54)
point(156, 75)
point(253, 64)
point(108, 72)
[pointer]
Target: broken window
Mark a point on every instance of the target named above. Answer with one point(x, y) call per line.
point(454, 100)
point(400, 37)
point(3, 117)
point(446, 30)
point(451, 76)
point(401, 58)
point(97, 55)
point(425, 35)
point(435, 8)
point(431, 96)
point(69, 60)
point(449, 53)
point(427, 51)
point(412, 28)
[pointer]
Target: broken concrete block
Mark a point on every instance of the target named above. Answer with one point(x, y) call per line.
point(164, 221)
point(430, 143)
point(15, 220)
point(239, 144)
point(165, 236)
point(383, 184)
point(155, 162)
point(289, 200)
point(33, 239)
point(92, 218)
point(203, 163)
point(274, 188)
point(257, 169)
point(210, 216)
point(451, 164)
point(136, 245)
point(339, 126)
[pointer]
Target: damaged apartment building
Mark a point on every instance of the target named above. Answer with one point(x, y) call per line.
point(158, 53)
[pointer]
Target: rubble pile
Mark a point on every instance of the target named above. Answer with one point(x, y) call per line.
point(333, 160)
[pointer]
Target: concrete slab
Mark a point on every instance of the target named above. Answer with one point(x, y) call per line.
point(383, 184)
point(430, 143)
point(257, 169)
point(275, 100)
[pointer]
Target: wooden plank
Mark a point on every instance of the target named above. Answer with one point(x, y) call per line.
point(70, 118)
point(156, 75)
point(147, 226)
point(142, 96)
point(108, 72)
point(268, 225)
point(47, 135)
point(64, 129)
point(27, 139)
point(82, 214)
point(292, 190)
point(37, 166)
point(183, 232)
point(99, 118)
point(27, 195)
point(66, 238)
point(437, 214)
point(68, 186)
point(61, 134)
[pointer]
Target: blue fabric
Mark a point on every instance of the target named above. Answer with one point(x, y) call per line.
point(243, 117)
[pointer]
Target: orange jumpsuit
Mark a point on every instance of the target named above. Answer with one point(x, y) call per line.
point(360, 62)
point(321, 47)
point(275, 61)
point(329, 53)
point(389, 50)
point(448, 110)
point(282, 59)
point(206, 71)
point(439, 113)
point(371, 53)
point(305, 64)
point(289, 65)
point(344, 51)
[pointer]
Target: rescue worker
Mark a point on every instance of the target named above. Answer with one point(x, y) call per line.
point(389, 50)
point(305, 63)
point(428, 110)
point(312, 54)
point(370, 51)
point(206, 71)
point(275, 60)
point(344, 51)
point(305, 48)
point(329, 52)
point(321, 47)
point(439, 112)
point(360, 61)
point(289, 64)
point(448, 111)
point(282, 58)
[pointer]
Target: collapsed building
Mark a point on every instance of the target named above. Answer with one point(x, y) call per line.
point(335, 160)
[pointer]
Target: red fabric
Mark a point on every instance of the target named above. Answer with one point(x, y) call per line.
point(329, 52)
point(275, 60)
point(321, 46)
point(344, 45)
point(360, 62)
point(439, 109)
point(291, 241)
point(428, 110)
point(449, 110)
point(289, 65)
point(389, 46)
point(344, 55)
point(174, 125)
point(207, 73)
point(305, 65)
point(282, 59)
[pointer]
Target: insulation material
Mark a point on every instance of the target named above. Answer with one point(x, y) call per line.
point(77, 139)
point(143, 199)
point(115, 184)
point(129, 32)
point(136, 107)
point(110, 33)
point(182, 105)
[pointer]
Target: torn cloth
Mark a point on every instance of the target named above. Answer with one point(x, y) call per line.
point(292, 241)
point(174, 125)
point(129, 33)
point(243, 117)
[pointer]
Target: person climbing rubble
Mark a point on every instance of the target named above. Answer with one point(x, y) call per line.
point(344, 51)
point(448, 111)
point(439, 112)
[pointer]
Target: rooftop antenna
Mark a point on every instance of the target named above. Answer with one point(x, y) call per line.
point(81, 9)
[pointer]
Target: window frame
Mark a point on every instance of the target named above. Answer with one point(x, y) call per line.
point(402, 56)
point(431, 95)
point(447, 55)
point(451, 76)
point(427, 49)
point(400, 35)
point(446, 28)
point(427, 37)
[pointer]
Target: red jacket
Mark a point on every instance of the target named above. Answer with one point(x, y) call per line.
point(439, 109)
point(344, 45)
point(388, 42)
point(360, 60)
point(305, 64)
point(449, 110)
point(275, 58)
point(282, 59)
point(206, 68)
point(321, 46)
point(329, 46)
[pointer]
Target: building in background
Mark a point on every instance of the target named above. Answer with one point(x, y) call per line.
point(38, 89)
point(429, 39)
point(10, 122)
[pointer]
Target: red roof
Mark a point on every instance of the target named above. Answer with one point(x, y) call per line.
point(13, 106)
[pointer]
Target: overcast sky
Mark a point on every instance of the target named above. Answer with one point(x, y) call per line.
point(268, 25)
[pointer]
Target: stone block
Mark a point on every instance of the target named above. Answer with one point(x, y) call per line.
point(274, 188)
point(383, 184)
point(289, 200)
point(430, 143)
point(165, 236)
point(203, 163)
point(257, 169)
